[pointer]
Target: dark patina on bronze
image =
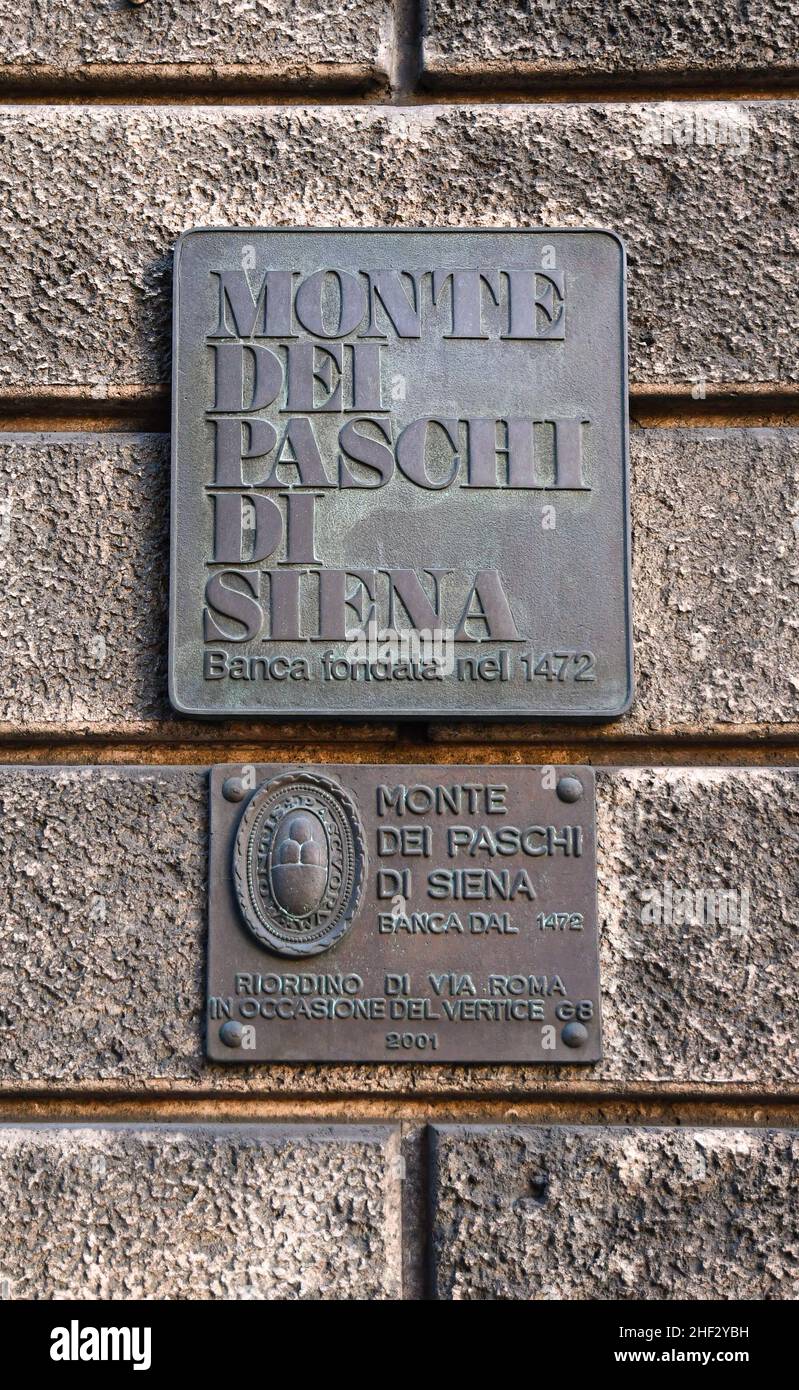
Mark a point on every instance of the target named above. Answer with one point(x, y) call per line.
point(399, 474)
point(402, 914)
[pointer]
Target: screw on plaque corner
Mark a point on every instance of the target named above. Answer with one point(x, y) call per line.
point(574, 1034)
point(232, 1033)
point(569, 788)
point(234, 789)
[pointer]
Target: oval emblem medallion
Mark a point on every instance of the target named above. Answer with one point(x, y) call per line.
point(299, 863)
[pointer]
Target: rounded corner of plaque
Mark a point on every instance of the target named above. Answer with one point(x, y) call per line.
point(184, 237)
point(299, 863)
point(615, 237)
point(178, 705)
point(584, 770)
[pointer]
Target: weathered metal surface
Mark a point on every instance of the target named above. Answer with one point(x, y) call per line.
point(400, 474)
point(402, 914)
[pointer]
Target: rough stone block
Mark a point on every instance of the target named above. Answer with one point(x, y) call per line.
point(167, 1212)
point(83, 609)
point(513, 40)
point(86, 283)
point(84, 529)
point(343, 43)
point(715, 578)
point(599, 1213)
point(103, 929)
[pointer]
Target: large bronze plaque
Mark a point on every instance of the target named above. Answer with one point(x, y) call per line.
point(402, 914)
point(400, 474)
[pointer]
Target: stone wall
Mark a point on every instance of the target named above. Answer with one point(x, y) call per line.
point(671, 1164)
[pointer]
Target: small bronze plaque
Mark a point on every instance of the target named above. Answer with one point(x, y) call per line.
point(400, 474)
point(402, 914)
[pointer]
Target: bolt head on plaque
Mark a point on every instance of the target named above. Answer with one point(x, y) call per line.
point(232, 1033)
point(298, 864)
point(569, 788)
point(574, 1034)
